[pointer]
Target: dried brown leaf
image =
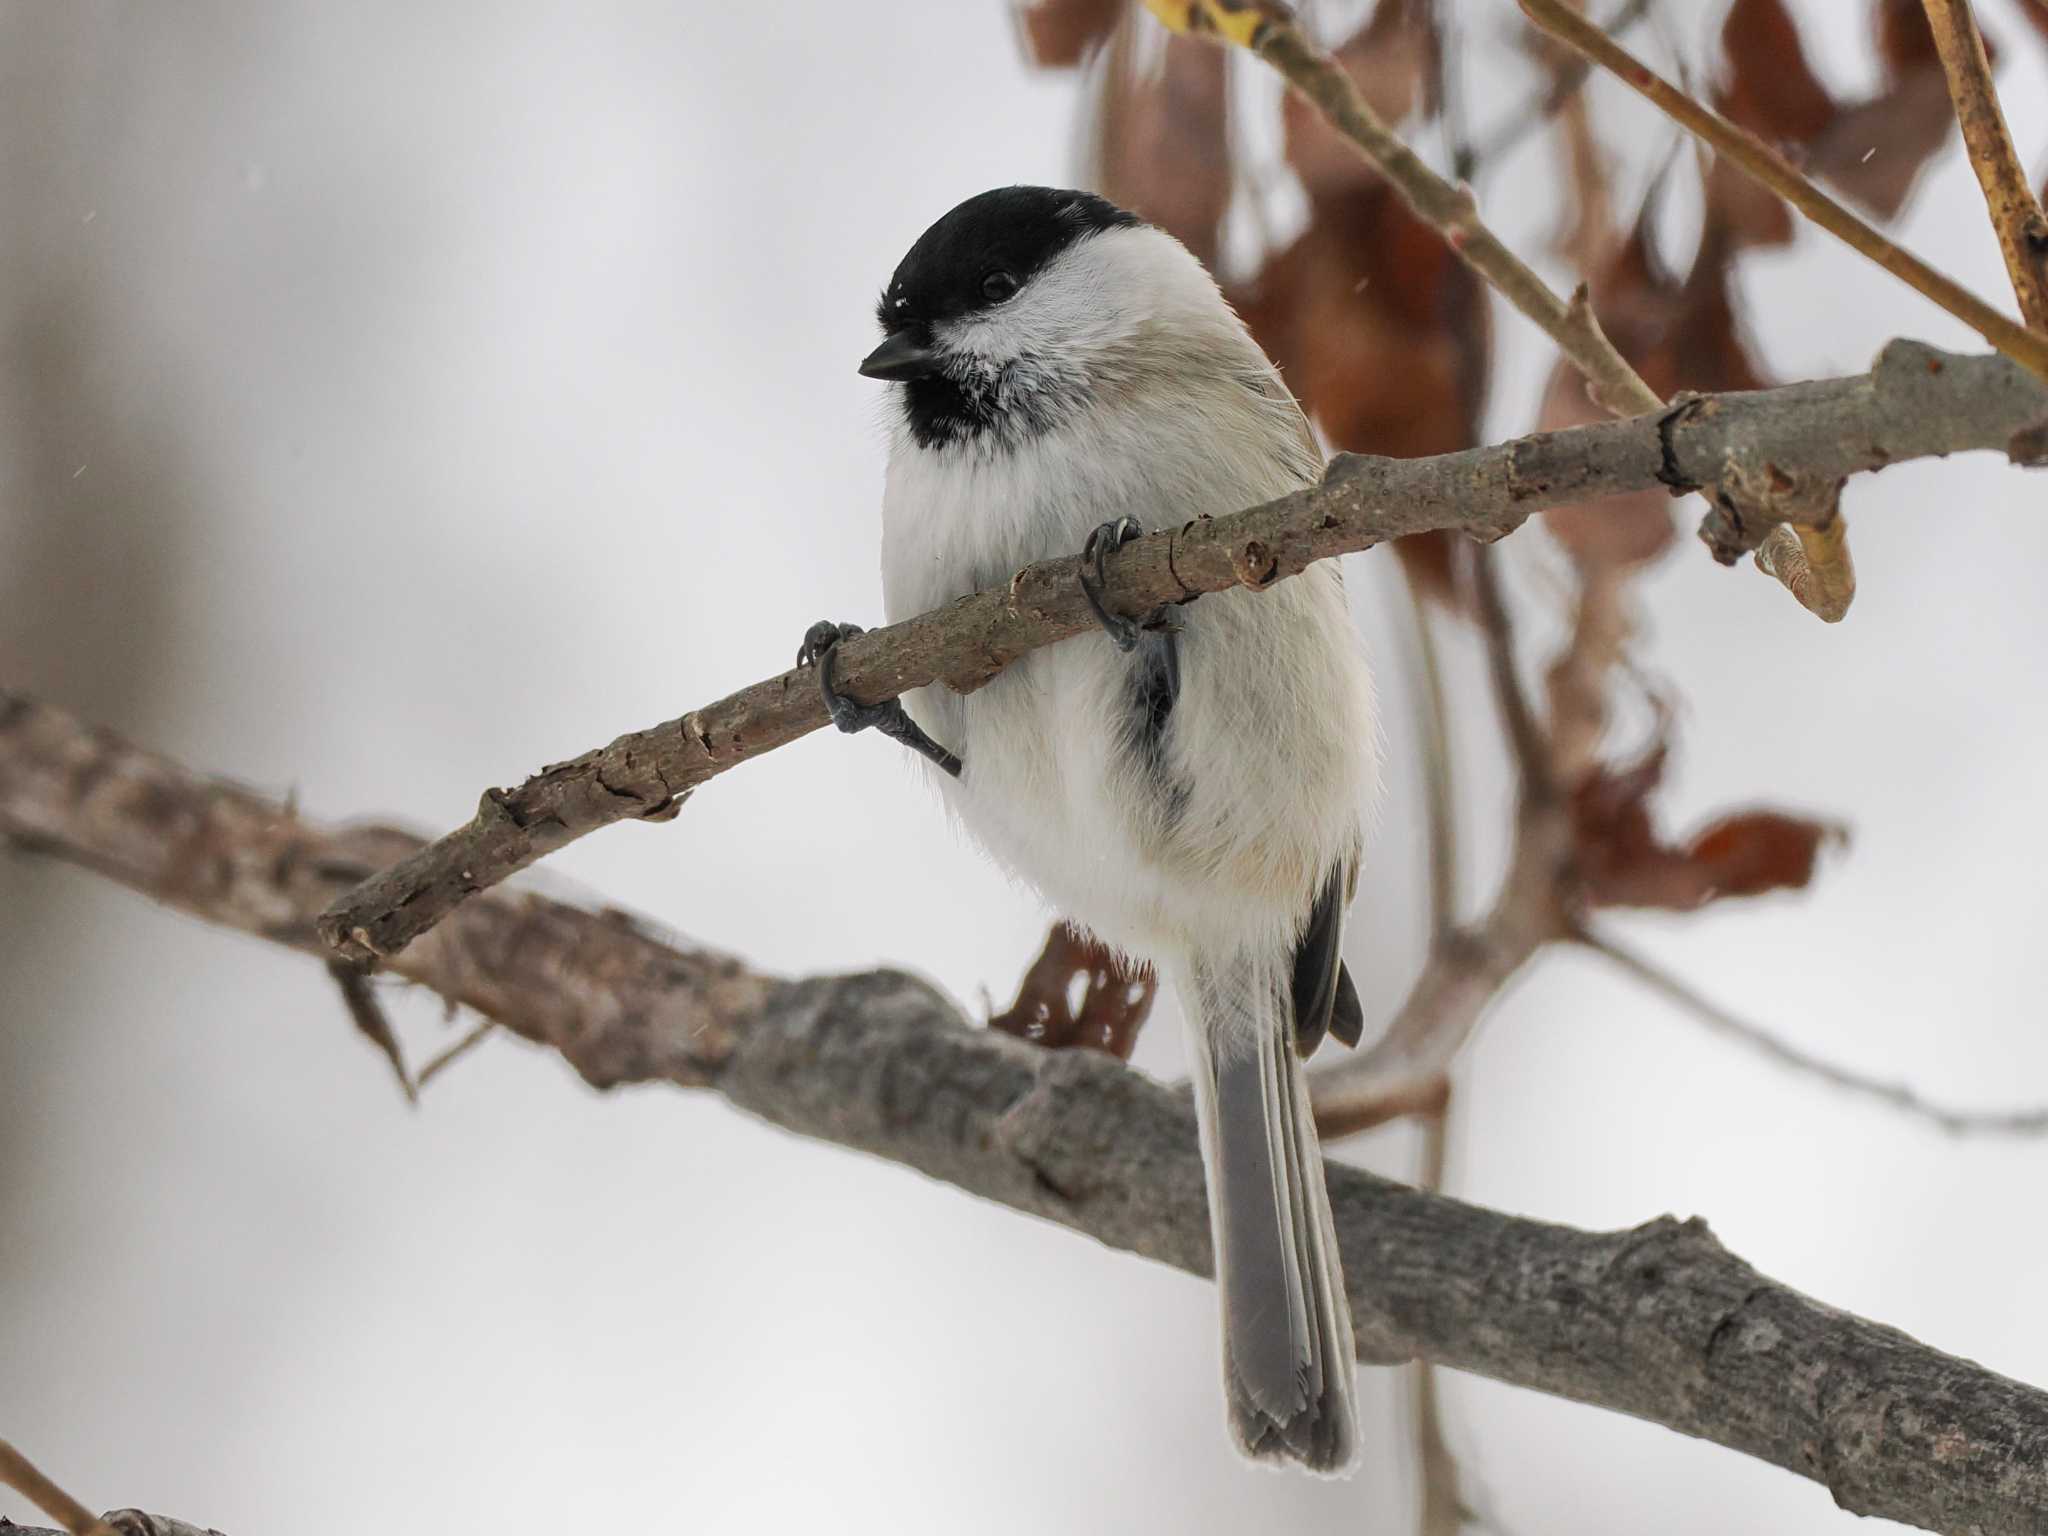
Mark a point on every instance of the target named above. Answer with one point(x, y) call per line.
point(1162, 138)
point(1874, 151)
point(1058, 34)
point(1622, 861)
point(1767, 86)
point(1678, 334)
point(1390, 58)
point(1384, 336)
point(1871, 151)
point(1752, 852)
point(1114, 997)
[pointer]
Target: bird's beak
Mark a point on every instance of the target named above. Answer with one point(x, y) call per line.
point(902, 357)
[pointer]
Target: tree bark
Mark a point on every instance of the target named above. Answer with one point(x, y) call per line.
point(1659, 1321)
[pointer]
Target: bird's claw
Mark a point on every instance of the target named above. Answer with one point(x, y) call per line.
point(821, 650)
point(1103, 542)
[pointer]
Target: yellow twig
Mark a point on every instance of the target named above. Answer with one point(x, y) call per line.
point(1764, 164)
point(2015, 211)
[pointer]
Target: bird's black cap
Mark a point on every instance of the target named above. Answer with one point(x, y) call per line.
point(1016, 230)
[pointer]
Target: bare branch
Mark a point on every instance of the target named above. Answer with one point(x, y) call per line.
point(2031, 1121)
point(1564, 87)
point(1915, 403)
point(124, 1522)
point(2015, 211)
point(1659, 1321)
point(455, 1053)
point(1433, 738)
point(28, 1480)
point(1764, 164)
point(368, 1016)
point(1443, 1511)
point(1526, 743)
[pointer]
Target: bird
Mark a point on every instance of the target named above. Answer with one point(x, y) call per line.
point(1192, 785)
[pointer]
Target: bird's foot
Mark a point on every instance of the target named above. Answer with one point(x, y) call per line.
point(821, 650)
point(1103, 542)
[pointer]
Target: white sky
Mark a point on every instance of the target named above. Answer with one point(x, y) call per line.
point(520, 338)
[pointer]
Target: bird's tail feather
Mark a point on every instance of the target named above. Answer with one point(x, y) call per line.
point(1289, 1369)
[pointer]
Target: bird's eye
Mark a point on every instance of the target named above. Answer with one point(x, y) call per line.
point(999, 285)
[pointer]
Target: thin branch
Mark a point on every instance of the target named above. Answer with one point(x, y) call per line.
point(1548, 102)
point(28, 1480)
point(1956, 1122)
point(456, 1052)
point(1917, 402)
point(1576, 683)
point(2015, 211)
point(1526, 742)
point(1659, 1321)
point(1443, 1511)
point(1433, 744)
point(371, 1022)
point(1765, 165)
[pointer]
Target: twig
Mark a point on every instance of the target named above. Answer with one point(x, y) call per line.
point(1526, 743)
point(1917, 402)
point(456, 1052)
point(1433, 746)
point(1443, 1511)
point(1659, 1321)
point(1765, 165)
point(2015, 211)
point(1898, 1096)
point(1576, 683)
point(26, 1479)
point(372, 1023)
point(1548, 102)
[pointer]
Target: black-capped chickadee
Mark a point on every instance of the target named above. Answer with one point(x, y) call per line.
point(1191, 789)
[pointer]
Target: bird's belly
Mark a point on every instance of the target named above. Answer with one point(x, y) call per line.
point(1038, 790)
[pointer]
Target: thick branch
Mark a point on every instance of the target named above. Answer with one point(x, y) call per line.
point(1916, 402)
point(2015, 212)
point(1659, 1321)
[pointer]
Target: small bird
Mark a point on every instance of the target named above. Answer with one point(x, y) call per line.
point(1189, 786)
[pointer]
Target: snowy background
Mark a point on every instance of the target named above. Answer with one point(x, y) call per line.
point(521, 338)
